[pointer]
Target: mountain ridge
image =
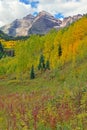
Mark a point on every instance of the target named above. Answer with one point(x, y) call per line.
point(41, 24)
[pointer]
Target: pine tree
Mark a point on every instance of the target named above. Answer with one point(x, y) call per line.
point(41, 65)
point(1, 47)
point(47, 65)
point(42, 60)
point(1, 50)
point(59, 50)
point(32, 74)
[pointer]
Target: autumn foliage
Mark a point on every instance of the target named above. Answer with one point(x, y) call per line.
point(58, 96)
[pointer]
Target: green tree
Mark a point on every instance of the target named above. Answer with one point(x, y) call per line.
point(47, 66)
point(59, 50)
point(1, 50)
point(32, 74)
point(41, 65)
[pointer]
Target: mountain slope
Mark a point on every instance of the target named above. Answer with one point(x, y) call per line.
point(40, 24)
point(68, 20)
point(19, 27)
point(43, 23)
point(4, 36)
point(70, 41)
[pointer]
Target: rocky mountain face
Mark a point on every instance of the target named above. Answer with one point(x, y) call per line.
point(19, 27)
point(43, 23)
point(40, 24)
point(68, 20)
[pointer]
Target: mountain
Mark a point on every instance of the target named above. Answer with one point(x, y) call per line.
point(40, 24)
point(19, 27)
point(43, 23)
point(68, 20)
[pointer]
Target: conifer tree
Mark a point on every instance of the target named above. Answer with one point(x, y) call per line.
point(41, 65)
point(1, 50)
point(47, 65)
point(32, 74)
point(59, 50)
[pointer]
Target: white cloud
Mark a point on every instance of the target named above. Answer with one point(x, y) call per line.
point(13, 9)
point(67, 7)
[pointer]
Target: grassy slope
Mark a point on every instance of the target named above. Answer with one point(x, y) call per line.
point(60, 86)
point(68, 76)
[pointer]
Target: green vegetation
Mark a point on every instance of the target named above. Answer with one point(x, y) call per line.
point(53, 100)
point(1, 51)
point(59, 50)
point(32, 74)
point(56, 98)
point(41, 65)
point(4, 36)
point(47, 66)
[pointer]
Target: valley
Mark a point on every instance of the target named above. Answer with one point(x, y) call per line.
point(43, 86)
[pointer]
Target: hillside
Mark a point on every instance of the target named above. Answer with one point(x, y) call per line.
point(51, 94)
point(70, 40)
point(4, 36)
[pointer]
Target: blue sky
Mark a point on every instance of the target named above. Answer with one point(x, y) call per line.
point(33, 4)
point(59, 15)
point(17, 9)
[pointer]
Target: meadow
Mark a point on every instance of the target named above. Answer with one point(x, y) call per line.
point(55, 100)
